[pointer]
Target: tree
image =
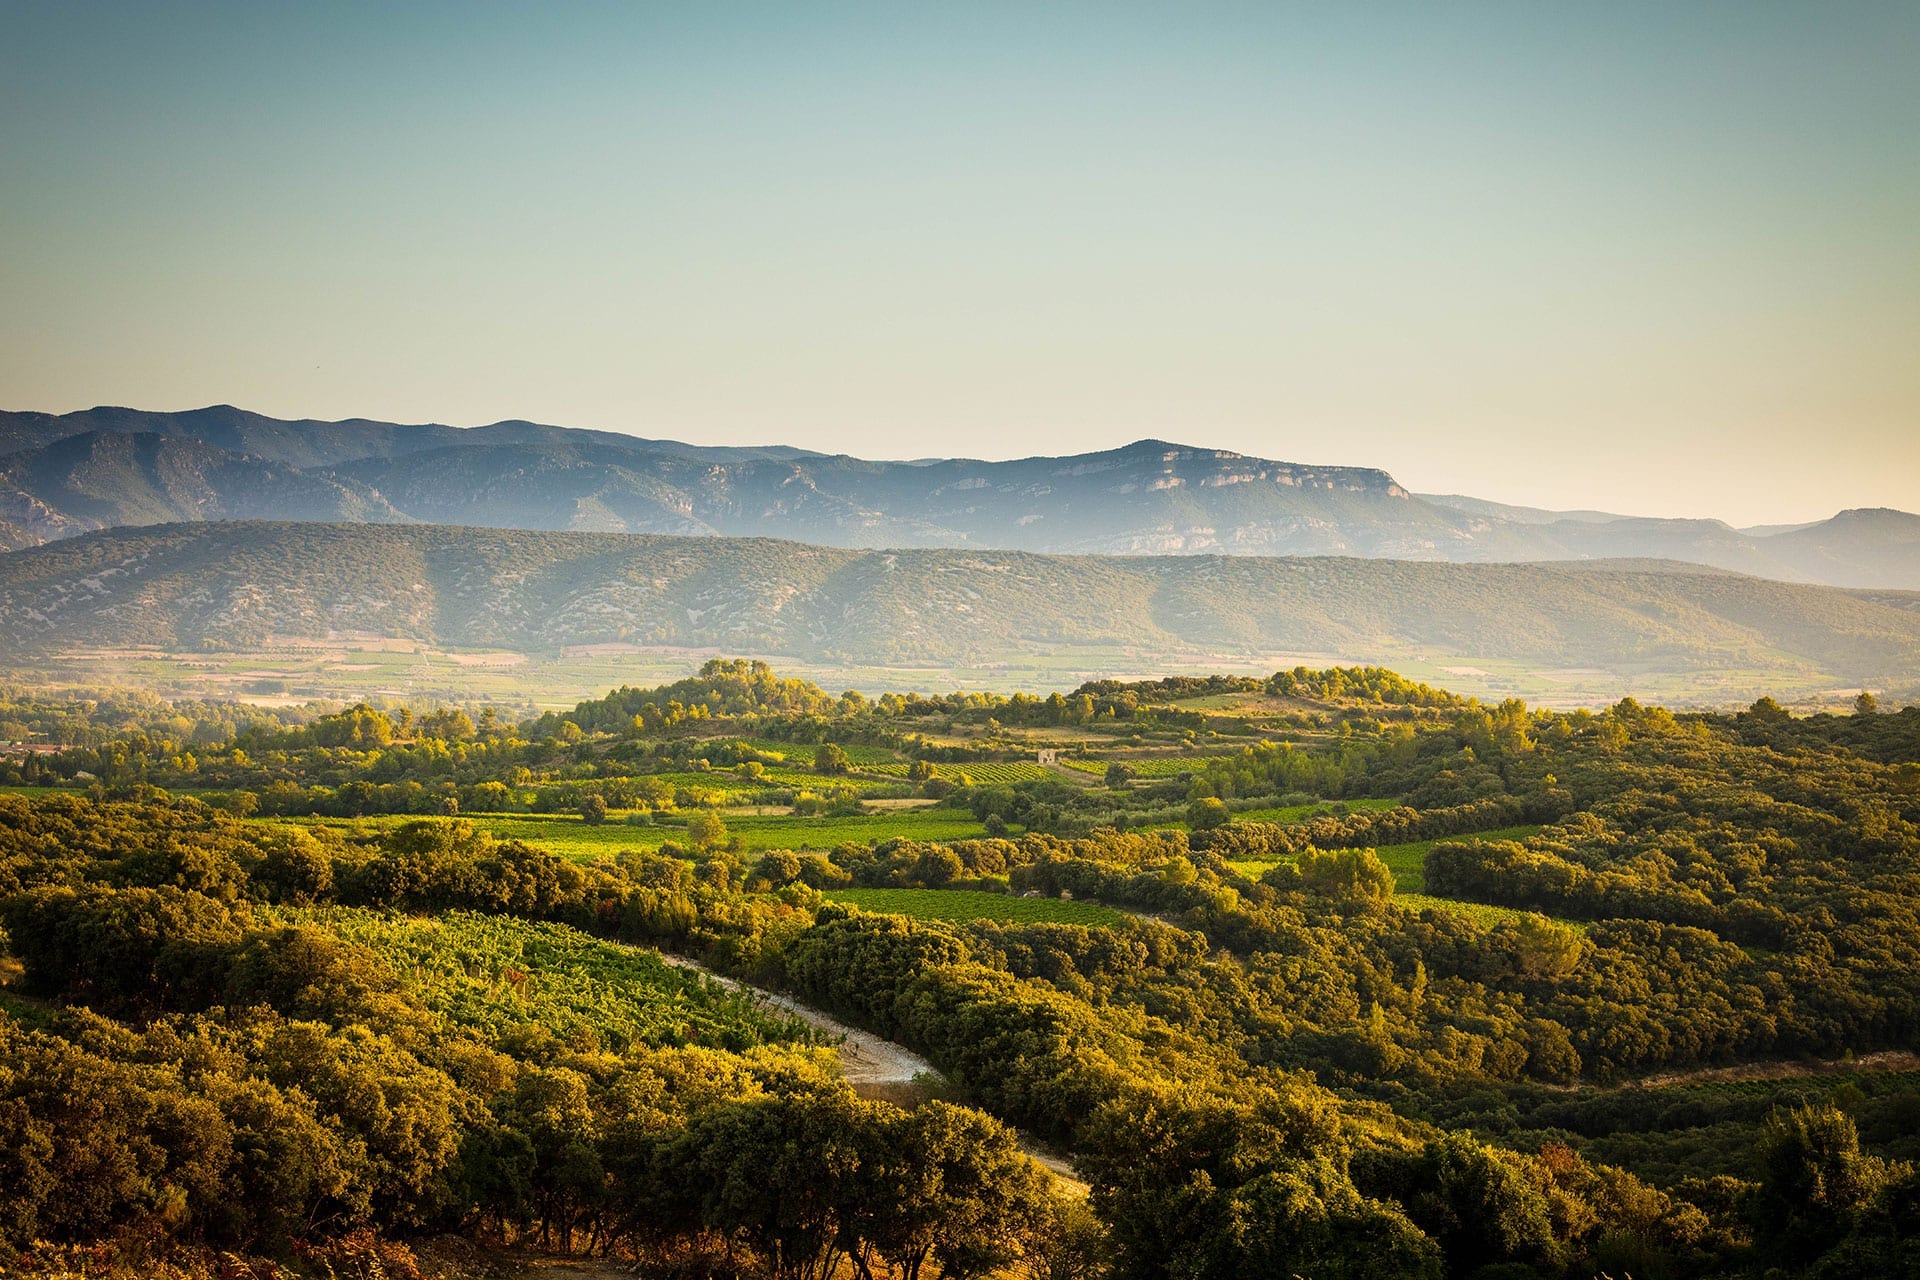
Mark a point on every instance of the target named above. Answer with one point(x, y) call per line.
point(296, 868)
point(1866, 704)
point(1543, 949)
point(448, 722)
point(1120, 773)
point(1206, 813)
point(241, 804)
point(593, 808)
point(706, 830)
point(1351, 875)
point(831, 758)
point(778, 867)
point(1814, 1178)
point(1068, 1243)
point(1482, 1205)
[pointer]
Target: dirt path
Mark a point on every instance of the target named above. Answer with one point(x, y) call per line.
point(1888, 1060)
point(864, 1057)
point(573, 1269)
point(876, 1067)
point(1074, 777)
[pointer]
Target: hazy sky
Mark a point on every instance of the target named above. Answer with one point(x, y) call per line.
point(1656, 258)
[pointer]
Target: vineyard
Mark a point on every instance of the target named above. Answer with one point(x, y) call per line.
point(983, 774)
point(1146, 767)
point(495, 974)
point(1408, 861)
point(1479, 912)
point(729, 781)
point(1301, 812)
point(800, 754)
point(968, 904)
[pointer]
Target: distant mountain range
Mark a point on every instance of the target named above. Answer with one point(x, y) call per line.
point(70, 474)
point(243, 585)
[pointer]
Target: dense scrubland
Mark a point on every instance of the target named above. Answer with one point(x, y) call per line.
point(1325, 974)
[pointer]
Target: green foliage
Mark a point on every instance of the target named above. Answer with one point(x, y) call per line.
point(962, 904)
point(1815, 1182)
point(1408, 860)
point(412, 1023)
point(499, 976)
point(1350, 875)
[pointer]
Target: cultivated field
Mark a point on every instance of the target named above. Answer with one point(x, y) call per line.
point(969, 904)
point(569, 837)
point(498, 975)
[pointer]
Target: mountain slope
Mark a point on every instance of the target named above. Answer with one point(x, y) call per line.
point(1148, 498)
point(221, 584)
point(99, 480)
point(1858, 548)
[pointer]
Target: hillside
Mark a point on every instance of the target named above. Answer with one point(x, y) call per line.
point(194, 586)
point(97, 480)
point(1147, 498)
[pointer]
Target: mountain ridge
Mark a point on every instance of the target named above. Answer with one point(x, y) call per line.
point(1149, 497)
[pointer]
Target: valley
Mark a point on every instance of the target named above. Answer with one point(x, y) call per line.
point(291, 611)
point(959, 642)
point(1463, 957)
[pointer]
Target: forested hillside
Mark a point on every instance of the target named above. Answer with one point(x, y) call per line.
point(1327, 973)
point(211, 586)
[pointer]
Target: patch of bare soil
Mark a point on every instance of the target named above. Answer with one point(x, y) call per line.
point(487, 659)
point(1889, 1060)
point(572, 1269)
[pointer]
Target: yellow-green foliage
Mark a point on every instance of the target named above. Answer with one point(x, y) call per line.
point(966, 904)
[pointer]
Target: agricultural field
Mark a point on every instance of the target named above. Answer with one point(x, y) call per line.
point(988, 773)
point(1144, 766)
point(1408, 861)
point(1301, 812)
point(799, 755)
point(776, 778)
point(569, 837)
point(1478, 912)
point(498, 974)
point(970, 904)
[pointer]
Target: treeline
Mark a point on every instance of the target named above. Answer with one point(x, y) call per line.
point(90, 717)
point(1375, 685)
point(1368, 828)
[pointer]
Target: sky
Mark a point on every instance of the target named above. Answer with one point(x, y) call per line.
point(1651, 258)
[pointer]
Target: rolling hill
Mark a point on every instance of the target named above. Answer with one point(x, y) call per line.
point(101, 468)
point(235, 585)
